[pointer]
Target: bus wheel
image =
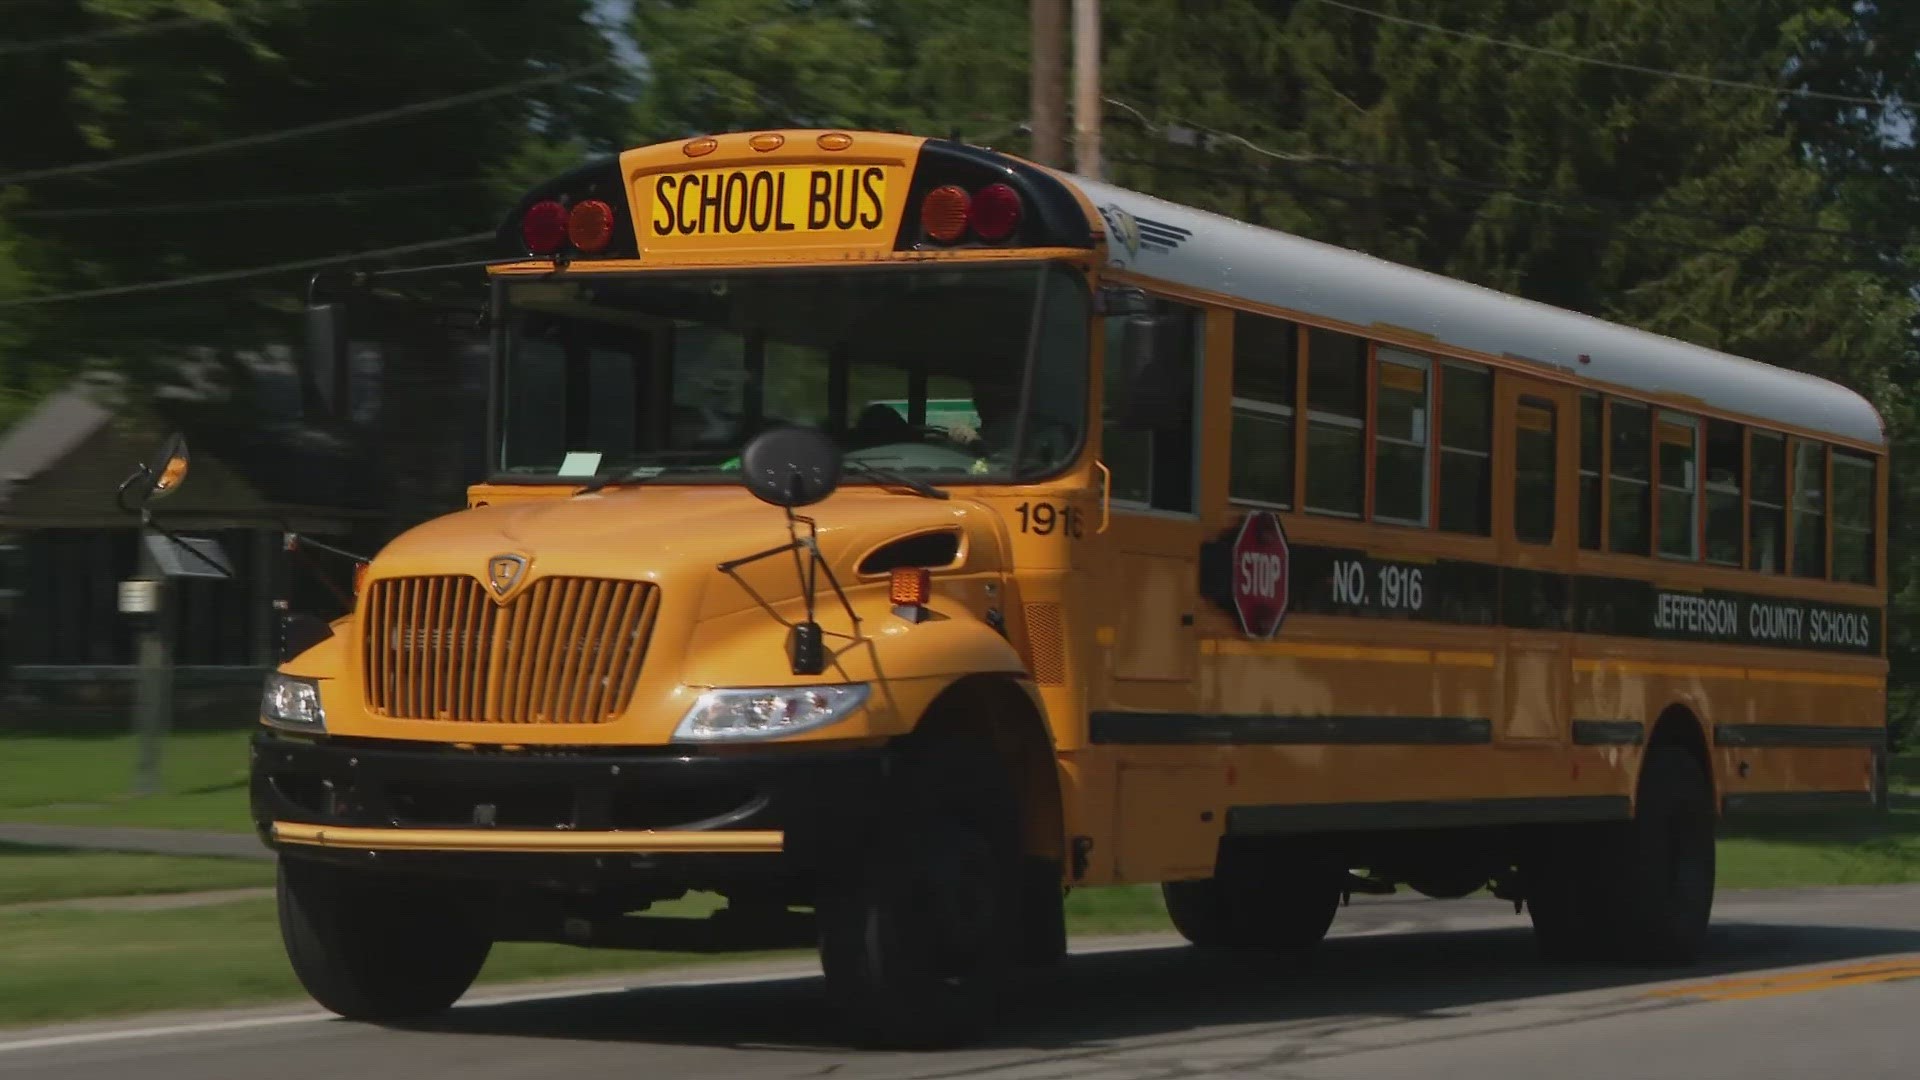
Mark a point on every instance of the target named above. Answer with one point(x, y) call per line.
point(1666, 883)
point(370, 948)
point(917, 929)
point(1640, 889)
point(1250, 905)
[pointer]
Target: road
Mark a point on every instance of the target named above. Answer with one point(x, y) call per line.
point(1799, 983)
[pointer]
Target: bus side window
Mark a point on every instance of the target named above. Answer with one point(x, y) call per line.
point(1401, 414)
point(1152, 463)
point(1466, 449)
point(1536, 451)
point(1630, 478)
point(1767, 509)
point(1679, 486)
point(1336, 423)
point(1592, 442)
point(1853, 496)
point(1809, 509)
point(1726, 460)
point(1265, 359)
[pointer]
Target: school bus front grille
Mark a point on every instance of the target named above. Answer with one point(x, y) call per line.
point(564, 651)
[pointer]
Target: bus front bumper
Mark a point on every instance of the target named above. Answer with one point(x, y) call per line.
point(439, 806)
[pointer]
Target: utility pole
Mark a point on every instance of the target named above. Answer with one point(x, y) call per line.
point(1086, 86)
point(1048, 92)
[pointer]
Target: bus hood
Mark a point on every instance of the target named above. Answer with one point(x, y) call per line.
point(675, 537)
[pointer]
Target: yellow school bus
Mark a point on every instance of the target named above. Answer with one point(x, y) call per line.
point(889, 534)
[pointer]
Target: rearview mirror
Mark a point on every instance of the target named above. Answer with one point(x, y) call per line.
point(326, 381)
point(157, 477)
point(1131, 358)
point(790, 466)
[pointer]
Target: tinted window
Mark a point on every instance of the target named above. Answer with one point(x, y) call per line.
point(1853, 499)
point(1149, 449)
point(1591, 445)
point(1265, 364)
point(1679, 491)
point(1726, 470)
point(1536, 450)
point(1628, 479)
point(1336, 423)
point(1466, 445)
point(1400, 473)
point(1767, 506)
point(1809, 509)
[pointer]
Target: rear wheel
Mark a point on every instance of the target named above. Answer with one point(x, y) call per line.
point(1639, 889)
point(1255, 902)
point(372, 947)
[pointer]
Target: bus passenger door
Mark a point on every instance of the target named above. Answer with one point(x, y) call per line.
point(1537, 526)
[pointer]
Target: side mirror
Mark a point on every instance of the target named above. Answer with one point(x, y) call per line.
point(326, 382)
point(1132, 361)
point(790, 466)
point(157, 477)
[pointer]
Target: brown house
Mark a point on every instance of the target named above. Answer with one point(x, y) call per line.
point(59, 469)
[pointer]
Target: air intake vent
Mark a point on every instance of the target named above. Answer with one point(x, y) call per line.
point(1046, 643)
point(565, 651)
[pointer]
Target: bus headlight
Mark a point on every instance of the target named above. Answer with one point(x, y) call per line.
point(767, 713)
point(292, 703)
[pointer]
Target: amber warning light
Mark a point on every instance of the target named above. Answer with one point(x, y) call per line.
point(912, 587)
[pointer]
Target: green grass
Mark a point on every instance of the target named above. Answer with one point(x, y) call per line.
point(67, 965)
point(31, 874)
point(65, 781)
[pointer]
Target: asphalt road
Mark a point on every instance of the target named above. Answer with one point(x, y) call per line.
point(1798, 984)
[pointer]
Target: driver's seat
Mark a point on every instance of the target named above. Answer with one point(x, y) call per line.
point(879, 425)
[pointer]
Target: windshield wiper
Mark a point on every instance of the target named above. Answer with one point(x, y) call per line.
point(918, 487)
point(639, 474)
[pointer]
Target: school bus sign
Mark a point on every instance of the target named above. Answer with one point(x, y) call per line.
point(1261, 565)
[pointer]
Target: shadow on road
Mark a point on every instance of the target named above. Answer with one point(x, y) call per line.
point(1164, 992)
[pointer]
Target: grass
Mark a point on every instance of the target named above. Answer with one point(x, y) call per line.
point(30, 874)
point(68, 781)
point(67, 964)
point(1857, 849)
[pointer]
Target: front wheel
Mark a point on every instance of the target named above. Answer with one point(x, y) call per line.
point(371, 947)
point(919, 927)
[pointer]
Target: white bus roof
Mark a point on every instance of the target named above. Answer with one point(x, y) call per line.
point(1205, 251)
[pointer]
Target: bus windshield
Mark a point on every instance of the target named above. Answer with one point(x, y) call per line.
point(916, 370)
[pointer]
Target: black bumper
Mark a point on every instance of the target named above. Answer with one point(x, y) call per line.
point(816, 798)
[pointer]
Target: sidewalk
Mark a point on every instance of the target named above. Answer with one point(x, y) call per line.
point(147, 841)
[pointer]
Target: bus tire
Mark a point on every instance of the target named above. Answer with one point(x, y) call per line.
point(1633, 890)
point(1665, 899)
point(918, 925)
point(368, 948)
point(1250, 904)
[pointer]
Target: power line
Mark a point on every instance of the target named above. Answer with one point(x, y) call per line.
point(325, 127)
point(1184, 133)
point(1708, 80)
point(257, 202)
point(223, 276)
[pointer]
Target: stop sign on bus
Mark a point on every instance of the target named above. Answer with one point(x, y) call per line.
point(1261, 566)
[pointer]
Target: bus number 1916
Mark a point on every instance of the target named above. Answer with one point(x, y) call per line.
point(1397, 588)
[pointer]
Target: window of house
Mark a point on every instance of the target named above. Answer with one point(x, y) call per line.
point(1853, 499)
point(1679, 486)
point(1629, 478)
point(1336, 423)
point(1767, 505)
point(1149, 448)
point(1809, 509)
point(1592, 444)
point(1466, 449)
point(1265, 363)
point(1401, 478)
point(1536, 452)
point(1725, 479)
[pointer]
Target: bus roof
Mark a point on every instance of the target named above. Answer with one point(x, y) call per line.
point(1216, 254)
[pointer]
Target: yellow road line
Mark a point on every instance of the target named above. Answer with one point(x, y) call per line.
point(1832, 977)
